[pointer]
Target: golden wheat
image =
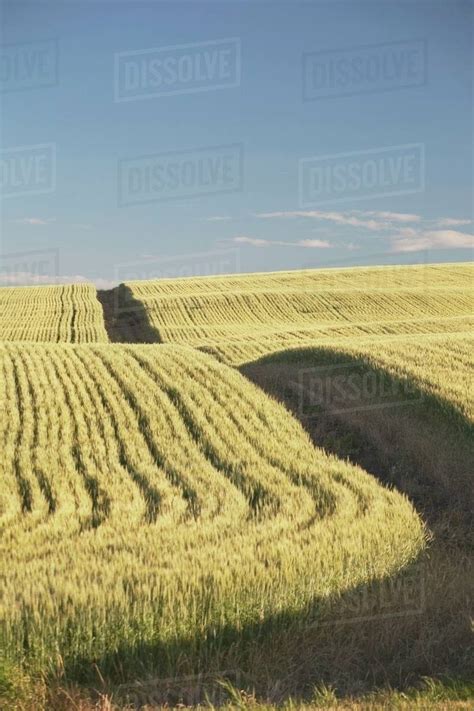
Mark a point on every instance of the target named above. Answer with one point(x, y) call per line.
point(152, 499)
point(69, 313)
point(241, 318)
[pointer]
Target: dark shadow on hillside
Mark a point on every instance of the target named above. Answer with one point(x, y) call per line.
point(126, 318)
point(391, 632)
point(404, 436)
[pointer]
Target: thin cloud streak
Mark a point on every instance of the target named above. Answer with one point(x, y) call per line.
point(431, 239)
point(452, 222)
point(34, 220)
point(390, 216)
point(43, 221)
point(372, 221)
point(32, 279)
point(256, 242)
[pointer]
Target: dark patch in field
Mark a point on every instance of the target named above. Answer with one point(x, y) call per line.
point(126, 318)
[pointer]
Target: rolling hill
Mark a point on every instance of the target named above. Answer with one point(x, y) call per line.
point(244, 317)
point(150, 497)
point(162, 506)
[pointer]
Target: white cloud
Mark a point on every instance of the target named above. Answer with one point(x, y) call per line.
point(314, 243)
point(34, 220)
point(410, 232)
point(104, 283)
point(253, 241)
point(391, 216)
point(451, 222)
point(256, 242)
point(42, 221)
point(218, 218)
point(369, 220)
point(32, 279)
point(432, 239)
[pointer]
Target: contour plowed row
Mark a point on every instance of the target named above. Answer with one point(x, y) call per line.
point(241, 318)
point(70, 314)
point(140, 502)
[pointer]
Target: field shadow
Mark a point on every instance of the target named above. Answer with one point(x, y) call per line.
point(391, 632)
point(126, 318)
point(388, 425)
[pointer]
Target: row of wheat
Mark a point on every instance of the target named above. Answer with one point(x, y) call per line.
point(69, 313)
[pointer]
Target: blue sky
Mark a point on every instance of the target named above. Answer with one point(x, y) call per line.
point(254, 91)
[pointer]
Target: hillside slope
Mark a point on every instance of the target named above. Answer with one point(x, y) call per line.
point(440, 366)
point(413, 400)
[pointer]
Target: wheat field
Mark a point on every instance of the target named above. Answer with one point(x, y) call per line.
point(241, 318)
point(438, 367)
point(157, 506)
point(156, 499)
point(57, 314)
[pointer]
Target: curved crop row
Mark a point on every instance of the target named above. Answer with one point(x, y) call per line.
point(141, 504)
point(69, 313)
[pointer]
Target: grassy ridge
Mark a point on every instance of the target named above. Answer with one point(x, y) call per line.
point(69, 313)
point(151, 503)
